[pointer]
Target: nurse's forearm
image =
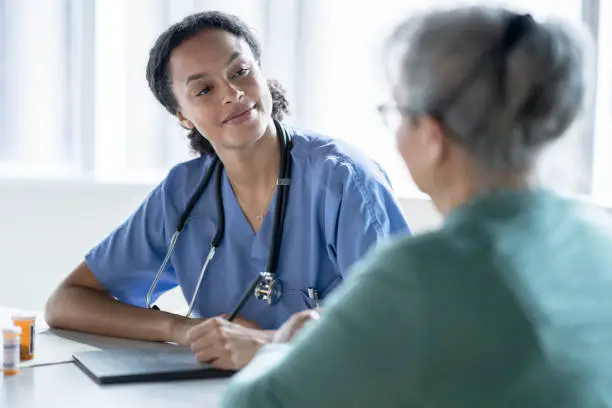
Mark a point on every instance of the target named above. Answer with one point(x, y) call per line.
point(88, 310)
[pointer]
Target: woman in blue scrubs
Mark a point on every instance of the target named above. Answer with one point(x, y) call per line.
point(206, 71)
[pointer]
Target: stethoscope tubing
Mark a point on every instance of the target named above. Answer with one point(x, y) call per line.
point(283, 184)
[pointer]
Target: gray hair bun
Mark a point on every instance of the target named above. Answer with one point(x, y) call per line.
point(502, 84)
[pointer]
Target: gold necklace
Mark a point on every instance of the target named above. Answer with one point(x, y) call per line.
point(261, 216)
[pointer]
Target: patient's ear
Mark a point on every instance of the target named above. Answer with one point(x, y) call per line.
point(185, 123)
point(433, 142)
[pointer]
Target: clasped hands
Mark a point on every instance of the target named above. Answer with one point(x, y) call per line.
point(232, 345)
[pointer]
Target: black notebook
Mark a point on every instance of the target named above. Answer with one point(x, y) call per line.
point(139, 365)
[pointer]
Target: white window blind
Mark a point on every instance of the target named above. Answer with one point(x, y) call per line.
point(35, 102)
point(346, 79)
point(74, 102)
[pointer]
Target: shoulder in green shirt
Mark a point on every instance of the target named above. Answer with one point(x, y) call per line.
point(509, 304)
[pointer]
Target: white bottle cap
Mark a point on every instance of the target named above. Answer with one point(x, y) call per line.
point(11, 330)
point(23, 317)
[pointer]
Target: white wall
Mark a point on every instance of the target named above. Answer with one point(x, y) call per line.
point(46, 228)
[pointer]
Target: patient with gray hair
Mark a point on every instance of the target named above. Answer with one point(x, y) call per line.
point(509, 302)
point(501, 103)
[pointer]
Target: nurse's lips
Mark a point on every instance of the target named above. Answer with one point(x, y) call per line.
point(239, 115)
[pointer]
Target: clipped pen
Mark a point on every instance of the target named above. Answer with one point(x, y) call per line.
point(314, 295)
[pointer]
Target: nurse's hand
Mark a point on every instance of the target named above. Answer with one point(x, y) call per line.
point(292, 326)
point(181, 327)
point(225, 345)
point(239, 319)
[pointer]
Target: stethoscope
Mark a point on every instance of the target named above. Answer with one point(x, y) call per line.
point(265, 286)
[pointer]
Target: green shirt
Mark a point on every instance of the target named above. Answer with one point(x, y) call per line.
point(509, 304)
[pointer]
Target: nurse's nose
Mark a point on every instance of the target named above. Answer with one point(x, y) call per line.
point(231, 93)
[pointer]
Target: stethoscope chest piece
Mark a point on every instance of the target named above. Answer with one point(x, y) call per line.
point(269, 288)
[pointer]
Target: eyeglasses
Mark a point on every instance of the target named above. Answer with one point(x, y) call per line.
point(392, 115)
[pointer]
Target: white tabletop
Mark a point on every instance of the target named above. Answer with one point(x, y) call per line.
point(66, 385)
point(52, 380)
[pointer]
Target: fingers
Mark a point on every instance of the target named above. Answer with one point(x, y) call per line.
point(204, 328)
point(207, 340)
point(294, 325)
point(299, 319)
point(217, 342)
point(298, 324)
point(224, 362)
point(312, 314)
point(211, 352)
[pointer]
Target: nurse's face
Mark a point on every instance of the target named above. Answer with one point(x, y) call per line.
point(220, 89)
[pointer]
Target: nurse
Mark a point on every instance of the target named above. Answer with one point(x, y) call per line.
point(274, 195)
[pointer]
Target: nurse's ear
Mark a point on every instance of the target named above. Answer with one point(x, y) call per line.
point(184, 122)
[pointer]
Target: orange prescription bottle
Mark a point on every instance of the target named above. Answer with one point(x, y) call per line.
point(10, 350)
point(27, 323)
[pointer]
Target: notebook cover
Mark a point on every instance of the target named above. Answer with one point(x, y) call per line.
point(114, 366)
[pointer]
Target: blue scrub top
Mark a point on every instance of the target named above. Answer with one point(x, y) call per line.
point(340, 205)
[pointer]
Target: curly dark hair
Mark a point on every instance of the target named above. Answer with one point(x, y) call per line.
point(159, 56)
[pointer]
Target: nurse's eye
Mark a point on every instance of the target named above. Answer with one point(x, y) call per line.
point(205, 90)
point(241, 72)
